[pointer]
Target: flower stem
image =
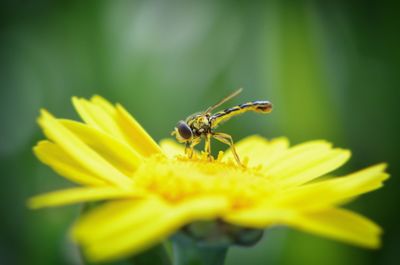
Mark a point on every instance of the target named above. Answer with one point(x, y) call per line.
point(188, 252)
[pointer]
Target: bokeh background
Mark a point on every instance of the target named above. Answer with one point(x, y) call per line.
point(331, 68)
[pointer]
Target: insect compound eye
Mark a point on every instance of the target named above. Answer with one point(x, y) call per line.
point(184, 130)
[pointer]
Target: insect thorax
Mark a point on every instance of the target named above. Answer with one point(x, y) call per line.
point(199, 123)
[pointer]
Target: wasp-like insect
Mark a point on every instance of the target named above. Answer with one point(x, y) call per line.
point(202, 125)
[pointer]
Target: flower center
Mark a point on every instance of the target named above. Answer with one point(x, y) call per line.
point(180, 177)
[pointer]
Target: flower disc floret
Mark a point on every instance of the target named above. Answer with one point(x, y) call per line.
point(183, 178)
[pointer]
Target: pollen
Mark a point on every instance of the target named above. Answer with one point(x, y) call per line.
point(184, 178)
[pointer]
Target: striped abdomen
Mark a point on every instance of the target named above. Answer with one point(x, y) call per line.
point(256, 106)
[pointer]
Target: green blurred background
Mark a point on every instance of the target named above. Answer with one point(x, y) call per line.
point(332, 70)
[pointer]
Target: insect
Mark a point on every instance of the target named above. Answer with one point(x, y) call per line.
point(202, 125)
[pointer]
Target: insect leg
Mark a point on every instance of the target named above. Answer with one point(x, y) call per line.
point(207, 145)
point(227, 139)
point(189, 148)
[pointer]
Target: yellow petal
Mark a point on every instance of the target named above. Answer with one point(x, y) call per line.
point(117, 122)
point(81, 152)
point(335, 223)
point(120, 155)
point(306, 162)
point(337, 190)
point(171, 148)
point(136, 135)
point(299, 153)
point(316, 167)
point(260, 151)
point(55, 157)
point(340, 224)
point(261, 216)
point(77, 195)
point(133, 238)
point(104, 104)
point(97, 116)
point(115, 217)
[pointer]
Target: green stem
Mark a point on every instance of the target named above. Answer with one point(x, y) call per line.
point(188, 252)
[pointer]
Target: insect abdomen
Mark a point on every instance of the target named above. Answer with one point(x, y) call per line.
point(256, 106)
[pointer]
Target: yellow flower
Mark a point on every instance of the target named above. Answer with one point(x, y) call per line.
point(153, 190)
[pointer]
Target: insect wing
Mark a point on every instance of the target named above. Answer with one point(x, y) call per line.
point(225, 99)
